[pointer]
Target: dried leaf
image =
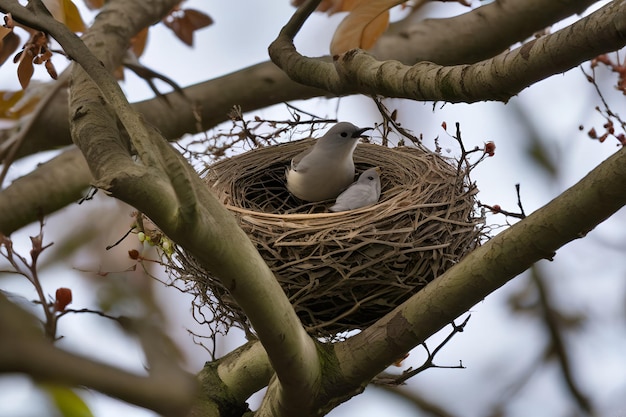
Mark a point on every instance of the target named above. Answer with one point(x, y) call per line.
point(94, 4)
point(67, 13)
point(25, 68)
point(7, 101)
point(139, 41)
point(363, 26)
point(51, 70)
point(8, 44)
point(184, 22)
point(197, 19)
point(73, 20)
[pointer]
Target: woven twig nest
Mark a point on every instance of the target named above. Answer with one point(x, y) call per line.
point(343, 271)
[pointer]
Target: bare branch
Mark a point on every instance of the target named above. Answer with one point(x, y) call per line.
point(588, 203)
point(473, 36)
point(25, 350)
point(498, 78)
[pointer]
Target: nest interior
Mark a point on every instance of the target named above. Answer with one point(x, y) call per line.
point(343, 271)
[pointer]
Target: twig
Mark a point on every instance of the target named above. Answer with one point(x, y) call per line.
point(29, 270)
point(429, 362)
point(497, 209)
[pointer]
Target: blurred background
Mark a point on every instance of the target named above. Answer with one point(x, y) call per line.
point(549, 343)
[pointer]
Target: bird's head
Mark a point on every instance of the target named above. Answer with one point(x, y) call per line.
point(344, 132)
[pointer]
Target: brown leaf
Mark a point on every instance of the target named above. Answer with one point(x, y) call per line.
point(25, 68)
point(8, 44)
point(51, 70)
point(94, 4)
point(363, 26)
point(184, 22)
point(197, 19)
point(184, 31)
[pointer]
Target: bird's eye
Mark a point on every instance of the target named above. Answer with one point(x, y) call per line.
point(370, 178)
point(343, 134)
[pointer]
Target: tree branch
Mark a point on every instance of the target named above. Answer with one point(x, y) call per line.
point(206, 104)
point(165, 187)
point(48, 188)
point(570, 216)
point(498, 78)
point(473, 36)
point(24, 349)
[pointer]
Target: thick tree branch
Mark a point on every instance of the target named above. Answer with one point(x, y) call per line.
point(444, 41)
point(256, 87)
point(498, 78)
point(473, 36)
point(29, 197)
point(183, 208)
point(570, 216)
point(467, 38)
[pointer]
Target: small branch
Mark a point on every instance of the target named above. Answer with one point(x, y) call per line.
point(29, 270)
point(429, 362)
point(496, 209)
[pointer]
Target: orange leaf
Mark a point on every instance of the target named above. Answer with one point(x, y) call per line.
point(66, 12)
point(7, 101)
point(72, 17)
point(363, 26)
point(94, 4)
point(138, 42)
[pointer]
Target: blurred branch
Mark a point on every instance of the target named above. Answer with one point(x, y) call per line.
point(24, 349)
point(420, 402)
point(50, 187)
point(557, 347)
point(356, 71)
point(29, 270)
point(470, 37)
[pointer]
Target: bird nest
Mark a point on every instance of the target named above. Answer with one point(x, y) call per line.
point(343, 271)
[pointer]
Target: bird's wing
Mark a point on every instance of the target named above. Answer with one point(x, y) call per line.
point(358, 195)
point(295, 161)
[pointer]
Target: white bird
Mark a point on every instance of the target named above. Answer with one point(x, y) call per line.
point(325, 169)
point(365, 191)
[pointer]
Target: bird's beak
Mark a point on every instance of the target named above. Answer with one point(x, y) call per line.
point(359, 133)
point(377, 169)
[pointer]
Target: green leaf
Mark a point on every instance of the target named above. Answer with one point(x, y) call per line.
point(66, 401)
